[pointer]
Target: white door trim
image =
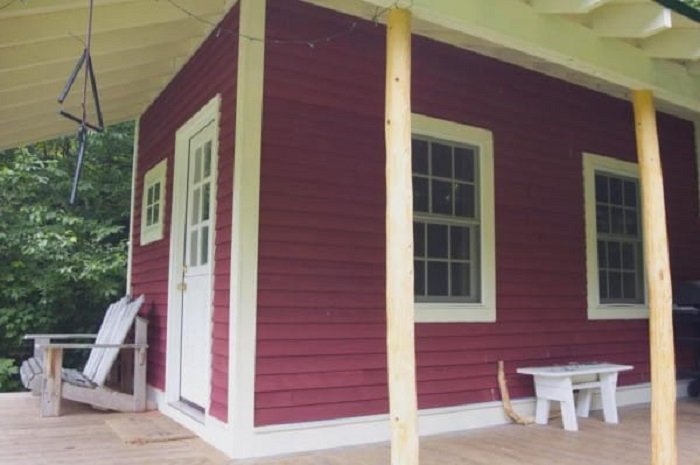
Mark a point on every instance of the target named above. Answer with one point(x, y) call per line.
point(208, 113)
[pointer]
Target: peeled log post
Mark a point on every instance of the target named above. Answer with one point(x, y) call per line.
point(658, 274)
point(399, 242)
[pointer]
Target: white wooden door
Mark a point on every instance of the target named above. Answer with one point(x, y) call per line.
point(197, 269)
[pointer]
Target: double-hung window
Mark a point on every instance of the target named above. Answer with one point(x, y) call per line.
point(613, 239)
point(453, 221)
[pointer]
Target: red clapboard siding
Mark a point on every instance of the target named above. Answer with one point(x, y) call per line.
point(211, 71)
point(321, 348)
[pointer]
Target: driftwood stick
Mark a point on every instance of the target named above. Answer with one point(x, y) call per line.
point(505, 398)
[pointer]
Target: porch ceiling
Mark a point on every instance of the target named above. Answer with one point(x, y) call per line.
point(138, 45)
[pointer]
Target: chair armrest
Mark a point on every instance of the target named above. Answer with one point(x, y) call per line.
point(60, 336)
point(70, 345)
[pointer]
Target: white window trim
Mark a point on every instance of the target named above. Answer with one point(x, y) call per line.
point(485, 311)
point(156, 174)
point(596, 310)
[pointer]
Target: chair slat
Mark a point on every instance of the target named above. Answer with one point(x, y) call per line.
point(116, 335)
point(103, 336)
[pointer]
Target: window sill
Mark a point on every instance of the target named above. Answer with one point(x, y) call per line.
point(454, 313)
point(618, 312)
point(151, 234)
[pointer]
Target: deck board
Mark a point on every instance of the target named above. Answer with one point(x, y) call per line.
point(81, 437)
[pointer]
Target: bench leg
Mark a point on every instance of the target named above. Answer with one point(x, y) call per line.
point(568, 414)
point(542, 411)
point(608, 384)
point(583, 404)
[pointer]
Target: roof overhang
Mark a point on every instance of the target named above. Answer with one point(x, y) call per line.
point(612, 46)
point(138, 45)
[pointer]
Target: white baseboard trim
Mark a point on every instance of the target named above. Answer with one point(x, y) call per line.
point(210, 429)
point(318, 435)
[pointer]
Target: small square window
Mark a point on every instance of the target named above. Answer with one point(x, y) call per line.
point(153, 203)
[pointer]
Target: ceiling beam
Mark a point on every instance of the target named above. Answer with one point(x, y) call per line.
point(102, 63)
point(33, 7)
point(569, 7)
point(49, 106)
point(109, 17)
point(680, 44)
point(51, 131)
point(116, 106)
point(52, 87)
point(630, 21)
point(107, 42)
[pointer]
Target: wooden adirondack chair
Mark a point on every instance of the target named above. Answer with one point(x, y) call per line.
point(45, 374)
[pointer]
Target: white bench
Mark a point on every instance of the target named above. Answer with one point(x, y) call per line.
point(558, 383)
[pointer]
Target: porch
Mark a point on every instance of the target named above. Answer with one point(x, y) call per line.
point(83, 436)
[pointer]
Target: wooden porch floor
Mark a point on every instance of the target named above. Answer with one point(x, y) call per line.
point(82, 436)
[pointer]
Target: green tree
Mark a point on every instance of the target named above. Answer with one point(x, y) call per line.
point(61, 264)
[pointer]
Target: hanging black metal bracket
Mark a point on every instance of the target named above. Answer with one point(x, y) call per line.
point(84, 60)
point(85, 64)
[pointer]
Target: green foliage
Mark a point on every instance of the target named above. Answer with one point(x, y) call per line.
point(61, 264)
point(8, 375)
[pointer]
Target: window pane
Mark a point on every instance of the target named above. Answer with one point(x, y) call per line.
point(442, 197)
point(205, 201)
point(465, 201)
point(419, 239)
point(601, 188)
point(602, 217)
point(205, 245)
point(198, 165)
point(614, 255)
point(602, 254)
point(616, 191)
point(629, 286)
point(149, 216)
point(156, 213)
point(420, 194)
point(461, 280)
point(419, 277)
point(441, 157)
point(630, 193)
point(628, 261)
point(617, 220)
point(437, 278)
point(464, 164)
point(193, 248)
point(207, 159)
point(615, 284)
point(419, 156)
point(195, 206)
point(156, 192)
point(437, 241)
point(603, 284)
point(459, 241)
point(149, 195)
point(631, 224)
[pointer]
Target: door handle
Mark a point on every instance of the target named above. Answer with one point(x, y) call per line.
point(182, 287)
